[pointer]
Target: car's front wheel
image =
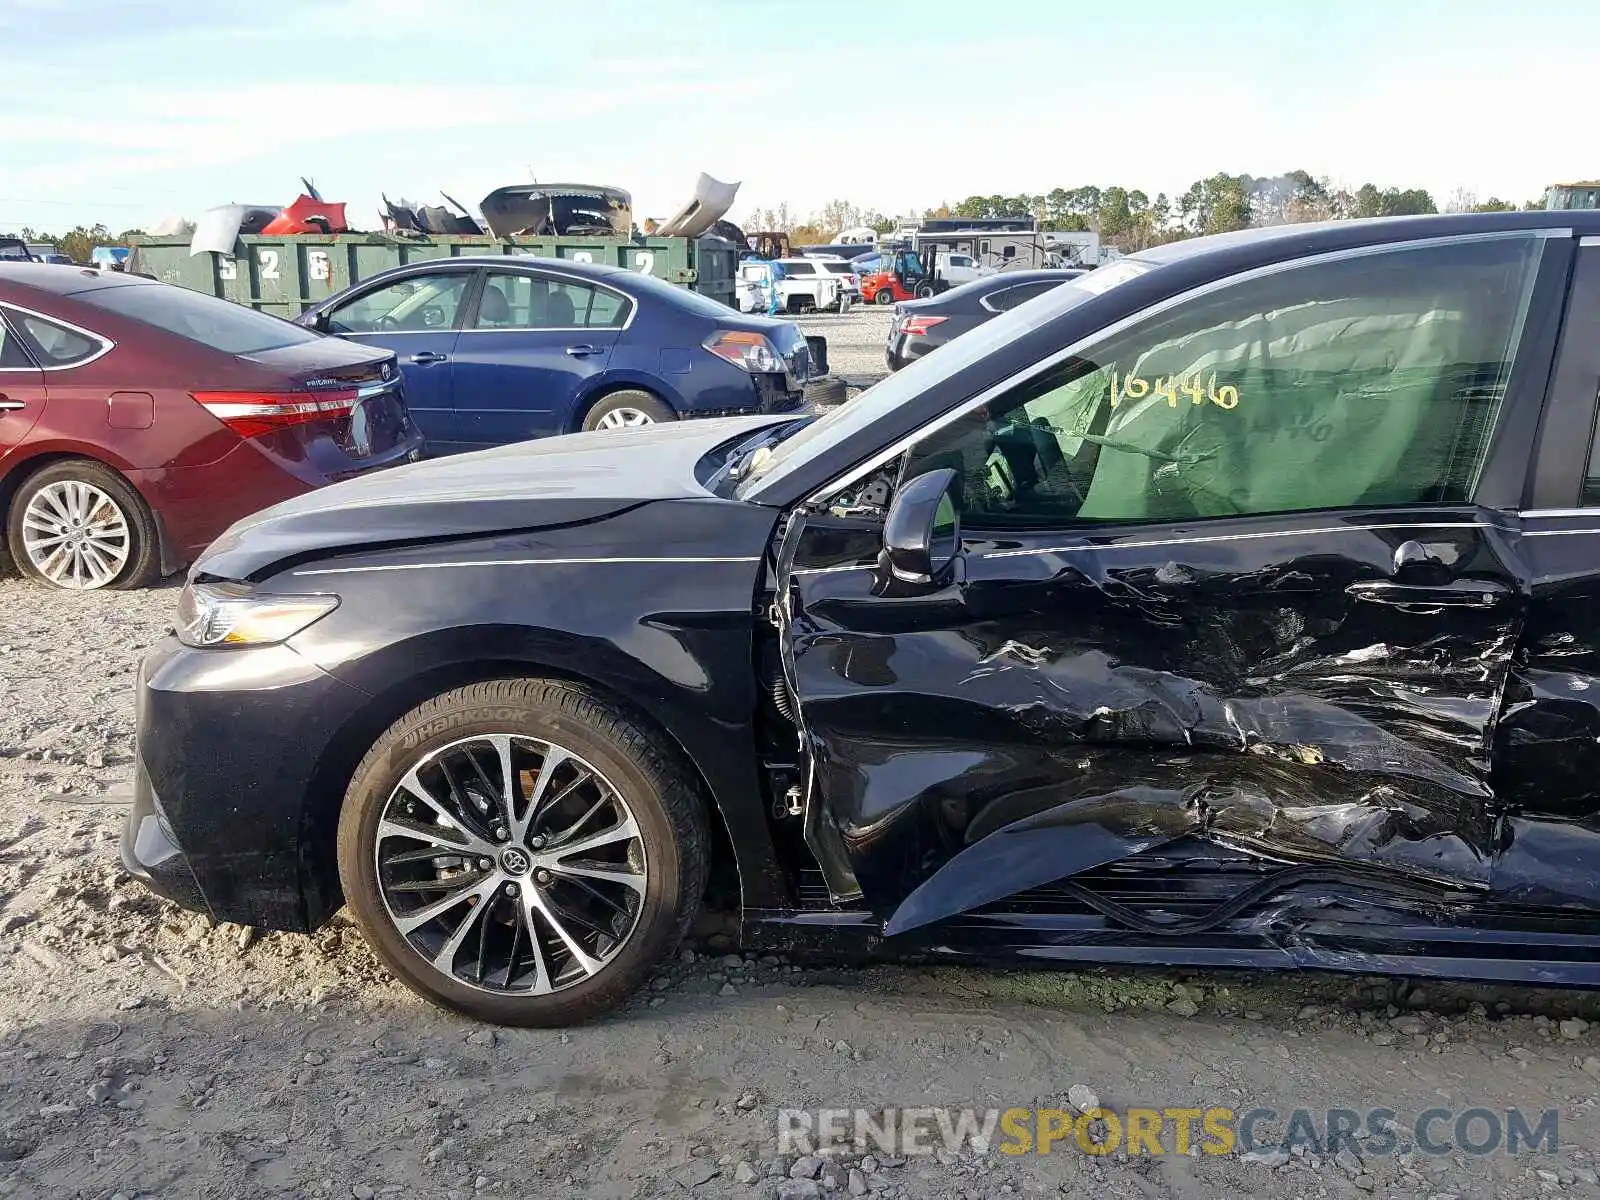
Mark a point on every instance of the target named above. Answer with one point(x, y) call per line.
point(626, 410)
point(522, 851)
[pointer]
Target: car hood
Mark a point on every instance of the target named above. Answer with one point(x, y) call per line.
point(527, 485)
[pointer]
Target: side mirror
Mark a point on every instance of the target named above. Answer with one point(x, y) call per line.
point(318, 321)
point(923, 532)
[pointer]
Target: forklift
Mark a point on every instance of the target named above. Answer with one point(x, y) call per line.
point(909, 276)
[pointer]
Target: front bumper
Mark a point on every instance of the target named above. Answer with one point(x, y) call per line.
point(150, 851)
point(226, 811)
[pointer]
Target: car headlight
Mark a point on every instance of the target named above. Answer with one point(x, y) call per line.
point(232, 614)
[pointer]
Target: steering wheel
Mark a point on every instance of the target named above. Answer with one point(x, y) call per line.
point(386, 322)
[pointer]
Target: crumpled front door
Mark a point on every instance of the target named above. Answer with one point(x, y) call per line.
point(1271, 684)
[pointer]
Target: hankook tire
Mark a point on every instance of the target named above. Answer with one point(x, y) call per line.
point(79, 526)
point(546, 911)
point(627, 409)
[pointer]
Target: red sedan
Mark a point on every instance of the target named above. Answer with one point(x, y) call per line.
point(139, 420)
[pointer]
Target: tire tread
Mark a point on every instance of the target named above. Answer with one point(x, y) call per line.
point(670, 778)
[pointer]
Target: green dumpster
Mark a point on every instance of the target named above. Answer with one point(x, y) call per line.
point(286, 275)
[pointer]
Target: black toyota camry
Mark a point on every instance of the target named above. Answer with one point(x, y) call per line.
point(1236, 604)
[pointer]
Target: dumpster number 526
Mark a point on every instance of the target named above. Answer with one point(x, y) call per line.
point(318, 265)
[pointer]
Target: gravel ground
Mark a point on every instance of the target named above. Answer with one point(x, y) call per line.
point(856, 341)
point(146, 1052)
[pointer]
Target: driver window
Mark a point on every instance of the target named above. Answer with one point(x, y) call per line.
point(1369, 380)
point(419, 304)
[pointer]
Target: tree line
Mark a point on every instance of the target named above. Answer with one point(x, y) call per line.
point(78, 243)
point(1131, 219)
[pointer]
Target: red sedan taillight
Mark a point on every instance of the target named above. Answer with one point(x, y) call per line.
point(256, 414)
point(920, 325)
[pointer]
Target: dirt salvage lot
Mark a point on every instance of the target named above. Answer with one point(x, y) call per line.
point(144, 1052)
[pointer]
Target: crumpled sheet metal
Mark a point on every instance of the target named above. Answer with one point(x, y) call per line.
point(964, 761)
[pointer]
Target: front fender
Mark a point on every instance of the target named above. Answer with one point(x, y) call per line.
point(637, 606)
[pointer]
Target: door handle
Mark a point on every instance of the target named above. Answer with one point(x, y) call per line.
point(582, 351)
point(1460, 593)
point(427, 357)
point(10, 405)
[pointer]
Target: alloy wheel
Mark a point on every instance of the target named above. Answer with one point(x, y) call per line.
point(76, 535)
point(624, 418)
point(510, 864)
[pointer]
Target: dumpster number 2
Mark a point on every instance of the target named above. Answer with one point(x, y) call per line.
point(644, 262)
point(269, 263)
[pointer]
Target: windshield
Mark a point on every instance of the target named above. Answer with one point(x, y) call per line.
point(848, 420)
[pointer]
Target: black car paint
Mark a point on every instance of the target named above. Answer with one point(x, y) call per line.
point(1218, 733)
point(673, 637)
point(963, 308)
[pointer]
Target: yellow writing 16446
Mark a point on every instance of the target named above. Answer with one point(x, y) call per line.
point(1172, 388)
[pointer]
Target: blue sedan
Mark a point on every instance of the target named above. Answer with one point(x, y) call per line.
point(501, 349)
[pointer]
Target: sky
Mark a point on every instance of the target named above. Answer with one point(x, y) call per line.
point(125, 111)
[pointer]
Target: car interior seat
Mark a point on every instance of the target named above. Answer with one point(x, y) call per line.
point(494, 309)
point(559, 312)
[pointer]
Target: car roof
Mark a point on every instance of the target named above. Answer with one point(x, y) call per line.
point(978, 289)
point(566, 265)
point(61, 279)
point(1318, 236)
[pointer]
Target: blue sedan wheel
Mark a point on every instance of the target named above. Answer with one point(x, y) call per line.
point(628, 410)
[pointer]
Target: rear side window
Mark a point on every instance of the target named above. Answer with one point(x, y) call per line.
point(523, 301)
point(56, 345)
point(843, 268)
point(12, 355)
point(230, 328)
point(1360, 381)
point(799, 269)
point(1009, 298)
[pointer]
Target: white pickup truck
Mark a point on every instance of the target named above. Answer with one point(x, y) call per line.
point(816, 282)
point(958, 268)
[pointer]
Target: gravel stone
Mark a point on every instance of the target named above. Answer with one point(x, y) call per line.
point(1271, 1157)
